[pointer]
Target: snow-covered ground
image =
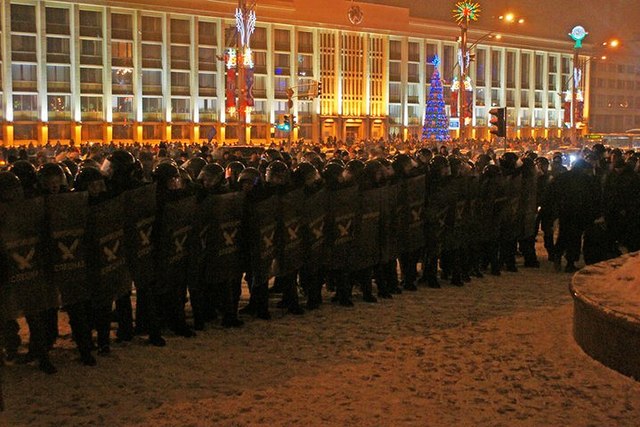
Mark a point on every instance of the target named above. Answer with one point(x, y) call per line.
point(497, 352)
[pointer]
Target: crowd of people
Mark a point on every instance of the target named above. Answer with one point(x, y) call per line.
point(196, 221)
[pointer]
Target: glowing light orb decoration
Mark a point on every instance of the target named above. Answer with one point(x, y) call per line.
point(578, 34)
point(465, 11)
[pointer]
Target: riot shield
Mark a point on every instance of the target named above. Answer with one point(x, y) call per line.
point(366, 246)
point(264, 249)
point(341, 221)
point(140, 216)
point(438, 218)
point(314, 227)
point(68, 214)
point(289, 239)
point(415, 213)
point(224, 244)
point(23, 285)
point(389, 221)
point(109, 275)
point(174, 243)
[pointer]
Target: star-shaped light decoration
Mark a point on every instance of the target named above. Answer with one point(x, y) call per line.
point(466, 11)
point(435, 61)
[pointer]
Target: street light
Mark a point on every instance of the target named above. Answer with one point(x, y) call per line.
point(464, 12)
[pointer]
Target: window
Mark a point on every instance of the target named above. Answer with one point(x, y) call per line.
point(122, 54)
point(58, 50)
point(23, 48)
point(23, 18)
point(57, 20)
point(394, 71)
point(91, 108)
point(180, 83)
point(151, 55)
point(480, 97)
point(25, 107)
point(448, 62)
point(90, 23)
point(151, 132)
point(305, 42)
point(414, 72)
point(511, 69)
point(395, 94)
point(151, 29)
point(152, 82)
point(207, 33)
point(496, 67)
point(180, 109)
point(58, 78)
point(207, 59)
point(524, 98)
point(180, 57)
point(282, 39)
point(395, 114)
point(481, 66)
point(207, 108)
point(90, 75)
point(180, 31)
point(207, 84)
point(59, 107)
point(414, 51)
point(91, 52)
point(395, 50)
point(121, 26)
point(281, 63)
point(122, 108)
point(24, 77)
point(259, 38)
point(525, 71)
point(305, 65)
point(122, 80)
point(432, 51)
point(539, 71)
point(152, 109)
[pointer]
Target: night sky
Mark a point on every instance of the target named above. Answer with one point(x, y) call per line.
point(603, 19)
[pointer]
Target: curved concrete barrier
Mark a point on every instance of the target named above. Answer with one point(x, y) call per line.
point(606, 314)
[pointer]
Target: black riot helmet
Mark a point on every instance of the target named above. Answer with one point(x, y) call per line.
point(10, 187)
point(455, 164)
point(373, 172)
point(313, 158)
point(27, 174)
point(52, 178)
point(509, 161)
point(211, 176)
point(439, 166)
point(232, 172)
point(194, 166)
point(403, 164)
point(119, 165)
point(85, 176)
point(277, 173)
point(90, 179)
point(167, 177)
point(482, 161)
point(270, 155)
point(306, 174)
point(249, 178)
point(353, 170)
point(332, 174)
point(491, 171)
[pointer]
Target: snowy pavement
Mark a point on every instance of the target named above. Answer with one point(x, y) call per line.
point(496, 352)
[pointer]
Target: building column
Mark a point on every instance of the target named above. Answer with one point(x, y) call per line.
point(7, 80)
point(41, 73)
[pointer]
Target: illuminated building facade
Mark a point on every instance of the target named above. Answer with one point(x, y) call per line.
point(153, 70)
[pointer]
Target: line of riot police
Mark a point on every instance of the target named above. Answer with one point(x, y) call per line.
point(81, 239)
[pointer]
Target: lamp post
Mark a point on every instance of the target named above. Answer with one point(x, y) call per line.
point(245, 24)
point(577, 35)
point(464, 12)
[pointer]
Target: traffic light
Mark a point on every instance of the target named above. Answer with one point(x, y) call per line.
point(319, 91)
point(498, 121)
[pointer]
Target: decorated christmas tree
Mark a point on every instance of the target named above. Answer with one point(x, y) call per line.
point(436, 122)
